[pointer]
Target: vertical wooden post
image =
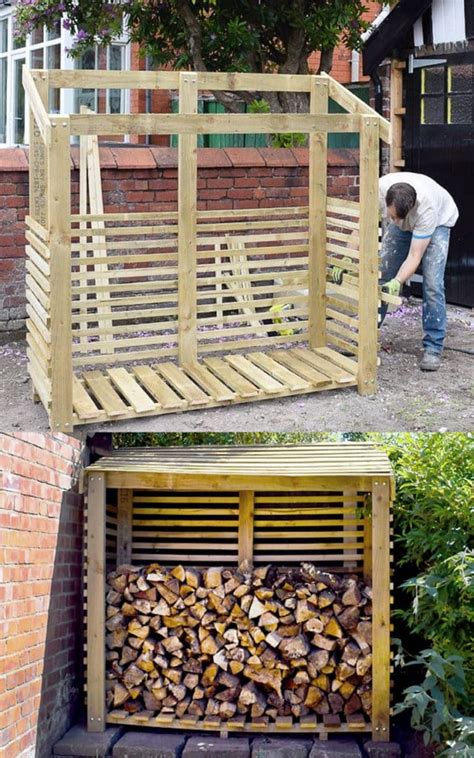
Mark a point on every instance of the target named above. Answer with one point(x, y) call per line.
point(96, 603)
point(124, 526)
point(348, 493)
point(368, 268)
point(367, 565)
point(317, 219)
point(396, 115)
point(187, 205)
point(59, 211)
point(246, 509)
point(37, 160)
point(381, 609)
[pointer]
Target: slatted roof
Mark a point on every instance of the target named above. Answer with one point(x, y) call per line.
point(349, 459)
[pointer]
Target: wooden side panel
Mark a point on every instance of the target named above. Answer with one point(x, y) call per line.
point(368, 268)
point(381, 609)
point(317, 219)
point(38, 163)
point(59, 203)
point(187, 205)
point(246, 508)
point(96, 604)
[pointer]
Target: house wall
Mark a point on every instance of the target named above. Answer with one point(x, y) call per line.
point(141, 179)
point(40, 591)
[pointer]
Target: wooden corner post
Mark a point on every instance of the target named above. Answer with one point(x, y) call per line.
point(96, 603)
point(368, 269)
point(381, 609)
point(317, 218)
point(187, 212)
point(59, 212)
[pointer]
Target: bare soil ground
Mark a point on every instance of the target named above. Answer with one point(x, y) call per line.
point(407, 399)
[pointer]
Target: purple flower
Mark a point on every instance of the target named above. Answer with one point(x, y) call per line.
point(81, 35)
point(66, 23)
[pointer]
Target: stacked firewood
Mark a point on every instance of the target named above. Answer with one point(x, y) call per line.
point(262, 643)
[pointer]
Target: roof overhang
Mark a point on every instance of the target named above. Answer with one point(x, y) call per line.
point(392, 33)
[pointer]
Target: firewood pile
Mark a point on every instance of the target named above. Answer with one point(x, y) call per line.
point(260, 643)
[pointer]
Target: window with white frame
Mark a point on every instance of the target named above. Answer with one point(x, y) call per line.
point(48, 49)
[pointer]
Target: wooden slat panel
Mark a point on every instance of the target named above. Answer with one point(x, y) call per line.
point(301, 368)
point(293, 381)
point(232, 378)
point(83, 404)
point(217, 389)
point(326, 367)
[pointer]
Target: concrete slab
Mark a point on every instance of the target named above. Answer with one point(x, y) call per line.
point(335, 749)
point(153, 744)
point(266, 747)
point(81, 744)
point(233, 747)
point(383, 749)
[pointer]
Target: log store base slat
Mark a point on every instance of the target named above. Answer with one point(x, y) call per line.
point(306, 724)
point(122, 393)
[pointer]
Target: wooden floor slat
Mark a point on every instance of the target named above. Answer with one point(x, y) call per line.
point(283, 374)
point(82, 403)
point(255, 374)
point(130, 389)
point(223, 371)
point(339, 360)
point(301, 368)
point(176, 376)
point(154, 384)
point(321, 364)
point(102, 388)
point(217, 389)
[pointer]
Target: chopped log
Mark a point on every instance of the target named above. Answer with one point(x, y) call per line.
point(294, 647)
point(352, 595)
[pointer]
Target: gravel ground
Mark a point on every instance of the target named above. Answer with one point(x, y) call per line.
point(407, 399)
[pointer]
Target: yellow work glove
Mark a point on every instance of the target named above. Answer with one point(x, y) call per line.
point(279, 320)
point(337, 272)
point(392, 287)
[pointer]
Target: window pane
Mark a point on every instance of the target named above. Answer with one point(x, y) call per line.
point(432, 111)
point(37, 58)
point(54, 56)
point(19, 104)
point(55, 32)
point(461, 78)
point(115, 64)
point(433, 80)
point(37, 36)
point(3, 35)
point(86, 97)
point(3, 99)
point(461, 109)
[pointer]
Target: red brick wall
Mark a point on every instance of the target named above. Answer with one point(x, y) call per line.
point(40, 591)
point(145, 179)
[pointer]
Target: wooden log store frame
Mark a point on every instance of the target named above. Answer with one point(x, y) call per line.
point(137, 314)
point(328, 504)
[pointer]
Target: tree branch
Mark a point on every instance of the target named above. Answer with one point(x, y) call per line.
point(326, 61)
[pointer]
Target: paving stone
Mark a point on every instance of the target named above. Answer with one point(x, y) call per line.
point(335, 749)
point(383, 749)
point(266, 747)
point(149, 745)
point(80, 743)
point(207, 745)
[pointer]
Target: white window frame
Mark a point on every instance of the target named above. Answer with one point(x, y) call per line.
point(65, 40)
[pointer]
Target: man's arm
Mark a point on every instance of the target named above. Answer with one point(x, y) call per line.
point(413, 259)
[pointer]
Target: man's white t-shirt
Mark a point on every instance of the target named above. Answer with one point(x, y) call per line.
point(434, 205)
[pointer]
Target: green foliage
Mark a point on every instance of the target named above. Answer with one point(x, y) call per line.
point(229, 35)
point(433, 702)
point(434, 531)
point(277, 140)
point(167, 439)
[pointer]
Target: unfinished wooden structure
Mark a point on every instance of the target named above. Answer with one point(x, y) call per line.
point(135, 314)
point(327, 504)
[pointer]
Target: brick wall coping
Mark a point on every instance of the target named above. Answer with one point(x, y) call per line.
point(144, 157)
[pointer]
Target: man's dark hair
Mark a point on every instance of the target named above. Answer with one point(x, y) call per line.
point(402, 196)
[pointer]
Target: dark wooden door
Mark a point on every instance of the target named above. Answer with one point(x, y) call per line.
point(439, 142)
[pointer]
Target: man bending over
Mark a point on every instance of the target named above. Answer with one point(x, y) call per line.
point(421, 215)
